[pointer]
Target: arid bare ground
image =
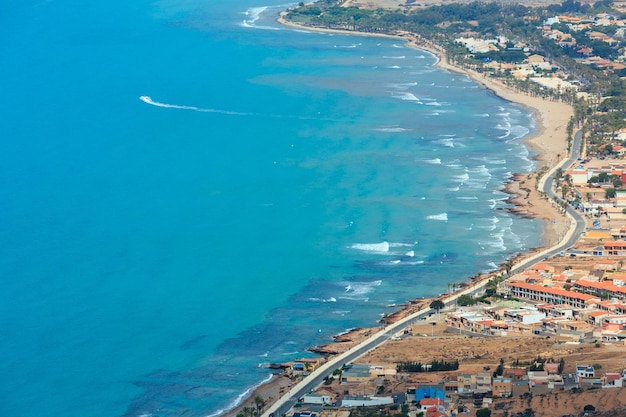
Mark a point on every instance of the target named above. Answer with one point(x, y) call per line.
point(475, 354)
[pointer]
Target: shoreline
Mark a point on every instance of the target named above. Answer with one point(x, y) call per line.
point(548, 142)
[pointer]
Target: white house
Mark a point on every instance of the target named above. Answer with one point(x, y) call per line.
point(320, 399)
point(584, 371)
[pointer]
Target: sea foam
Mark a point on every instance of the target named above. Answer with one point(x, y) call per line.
point(440, 217)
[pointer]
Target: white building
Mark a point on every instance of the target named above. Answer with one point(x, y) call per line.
point(584, 371)
point(320, 399)
point(350, 401)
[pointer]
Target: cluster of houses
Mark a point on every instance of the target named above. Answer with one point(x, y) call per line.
point(538, 68)
point(535, 67)
point(579, 24)
point(450, 396)
point(572, 303)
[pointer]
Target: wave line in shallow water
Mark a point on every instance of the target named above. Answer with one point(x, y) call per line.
point(240, 398)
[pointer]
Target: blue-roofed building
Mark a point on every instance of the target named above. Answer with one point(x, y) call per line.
point(429, 391)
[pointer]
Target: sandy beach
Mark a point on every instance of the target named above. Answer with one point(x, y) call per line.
point(548, 145)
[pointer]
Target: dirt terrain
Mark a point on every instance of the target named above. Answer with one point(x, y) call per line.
point(475, 354)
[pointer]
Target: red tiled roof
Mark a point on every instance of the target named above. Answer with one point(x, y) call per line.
point(430, 401)
point(555, 291)
point(615, 244)
point(603, 286)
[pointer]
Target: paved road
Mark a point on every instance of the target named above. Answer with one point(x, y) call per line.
point(547, 184)
point(317, 377)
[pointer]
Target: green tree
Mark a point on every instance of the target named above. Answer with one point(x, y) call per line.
point(259, 403)
point(466, 300)
point(558, 174)
point(437, 305)
point(246, 412)
point(589, 407)
point(483, 412)
point(508, 266)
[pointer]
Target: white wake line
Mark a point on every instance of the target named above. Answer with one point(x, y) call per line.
point(148, 100)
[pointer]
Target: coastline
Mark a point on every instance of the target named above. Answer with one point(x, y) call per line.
point(548, 144)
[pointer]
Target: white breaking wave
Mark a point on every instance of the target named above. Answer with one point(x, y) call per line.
point(148, 100)
point(382, 247)
point(354, 45)
point(400, 245)
point(359, 289)
point(461, 178)
point(408, 97)
point(240, 398)
point(434, 161)
point(328, 300)
point(410, 253)
point(253, 14)
point(440, 217)
point(403, 86)
point(395, 57)
point(341, 312)
point(391, 129)
point(448, 143)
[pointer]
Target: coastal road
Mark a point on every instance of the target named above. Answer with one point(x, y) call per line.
point(547, 185)
point(280, 407)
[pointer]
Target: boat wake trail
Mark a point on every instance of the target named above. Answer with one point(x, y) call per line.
point(148, 100)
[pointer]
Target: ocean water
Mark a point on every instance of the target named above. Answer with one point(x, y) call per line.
point(189, 192)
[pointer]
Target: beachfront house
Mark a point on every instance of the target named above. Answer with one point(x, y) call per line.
point(550, 294)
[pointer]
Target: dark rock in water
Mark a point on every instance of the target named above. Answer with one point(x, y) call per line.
point(279, 366)
point(194, 343)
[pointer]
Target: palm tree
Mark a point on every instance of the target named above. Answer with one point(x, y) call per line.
point(508, 266)
point(246, 412)
point(558, 174)
point(259, 403)
point(564, 191)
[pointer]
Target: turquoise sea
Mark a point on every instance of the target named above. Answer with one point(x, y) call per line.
point(189, 192)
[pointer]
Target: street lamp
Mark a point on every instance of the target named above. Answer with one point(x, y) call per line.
point(432, 333)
